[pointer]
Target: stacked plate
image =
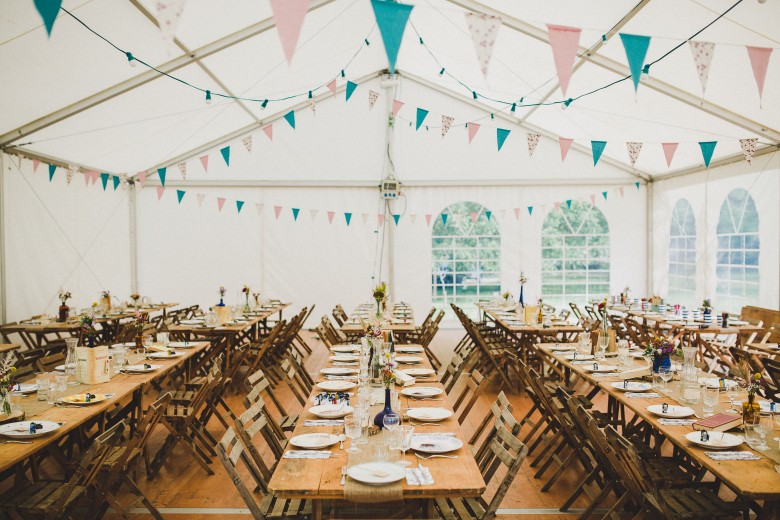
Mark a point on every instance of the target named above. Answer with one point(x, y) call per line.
point(421, 391)
point(377, 473)
point(428, 414)
point(336, 386)
point(81, 399)
point(314, 441)
point(409, 360)
point(418, 372)
point(435, 443)
point(338, 371)
point(171, 354)
point(21, 430)
point(631, 386)
point(331, 411)
point(140, 369)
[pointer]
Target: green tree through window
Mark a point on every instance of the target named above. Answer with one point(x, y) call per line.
point(682, 254)
point(575, 255)
point(466, 248)
point(736, 267)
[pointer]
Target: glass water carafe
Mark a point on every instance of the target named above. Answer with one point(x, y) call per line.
point(689, 379)
point(71, 360)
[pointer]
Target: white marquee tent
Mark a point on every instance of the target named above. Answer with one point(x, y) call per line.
point(308, 231)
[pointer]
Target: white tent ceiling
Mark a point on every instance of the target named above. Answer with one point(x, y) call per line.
point(74, 98)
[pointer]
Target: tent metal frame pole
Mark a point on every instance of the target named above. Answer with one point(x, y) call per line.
point(146, 76)
point(723, 161)
point(650, 229)
point(620, 69)
point(132, 205)
point(432, 183)
point(3, 313)
point(515, 121)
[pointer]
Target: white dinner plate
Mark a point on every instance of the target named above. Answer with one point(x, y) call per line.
point(196, 321)
point(408, 360)
point(165, 355)
point(314, 441)
point(435, 444)
point(140, 369)
point(579, 357)
point(428, 414)
point(181, 344)
point(421, 391)
point(631, 386)
point(344, 357)
point(409, 349)
point(673, 412)
point(81, 399)
point(717, 441)
point(24, 388)
point(377, 473)
point(563, 348)
point(418, 371)
point(600, 368)
point(338, 371)
point(128, 344)
point(336, 386)
point(21, 429)
point(714, 382)
point(331, 411)
point(346, 348)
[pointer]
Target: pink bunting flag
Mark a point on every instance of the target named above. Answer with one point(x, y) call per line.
point(517, 213)
point(669, 149)
point(592, 199)
point(473, 129)
point(183, 170)
point(204, 160)
point(565, 144)
point(557, 206)
point(702, 57)
point(484, 29)
point(380, 219)
point(759, 61)
point(201, 197)
point(565, 42)
point(247, 143)
point(446, 123)
point(474, 216)
point(220, 202)
point(160, 191)
point(95, 177)
point(259, 208)
point(332, 86)
point(277, 211)
point(633, 152)
point(269, 131)
point(141, 178)
point(372, 97)
point(533, 140)
point(428, 219)
point(87, 178)
point(331, 214)
point(36, 163)
point(397, 105)
point(620, 190)
point(289, 16)
point(168, 15)
point(748, 148)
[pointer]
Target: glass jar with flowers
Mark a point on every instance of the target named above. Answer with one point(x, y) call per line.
point(752, 383)
point(380, 294)
point(105, 300)
point(140, 321)
point(64, 310)
point(246, 291)
point(135, 297)
point(7, 370)
point(706, 307)
point(88, 332)
point(659, 350)
point(540, 312)
point(603, 338)
point(387, 371)
point(523, 279)
point(374, 337)
point(222, 292)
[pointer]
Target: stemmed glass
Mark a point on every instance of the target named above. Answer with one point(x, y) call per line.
point(391, 421)
point(164, 338)
point(352, 429)
point(776, 419)
point(666, 375)
point(407, 432)
point(762, 424)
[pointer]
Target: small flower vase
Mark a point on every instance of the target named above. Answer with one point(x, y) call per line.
point(106, 302)
point(64, 313)
point(660, 362)
point(6, 402)
point(386, 410)
point(247, 308)
point(520, 298)
point(221, 303)
point(378, 307)
point(139, 341)
point(750, 409)
point(91, 341)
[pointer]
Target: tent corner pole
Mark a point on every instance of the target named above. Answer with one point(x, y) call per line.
point(3, 313)
point(132, 206)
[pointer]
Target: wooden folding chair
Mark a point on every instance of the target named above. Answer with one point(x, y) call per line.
point(469, 394)
point(48, 363)
point(254, 421)
point(258, 386)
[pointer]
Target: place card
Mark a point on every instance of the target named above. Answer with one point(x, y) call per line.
point(642, 395)
point(323, 422)
point(307, 454)
point(732, 455)
point(676, 422)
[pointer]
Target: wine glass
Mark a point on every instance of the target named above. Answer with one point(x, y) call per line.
point(666, 375)
point(391, 421)
point(762, 424)
point(352, 429)
point(776, 419)
point(164, 338)
point(407, 432)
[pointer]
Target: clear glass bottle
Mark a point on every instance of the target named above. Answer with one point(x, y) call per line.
point(689, 378)
point(71, 360)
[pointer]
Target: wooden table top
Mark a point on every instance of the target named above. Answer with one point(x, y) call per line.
point(754, 479)
point(321, 478)
point(121, 385)
point(248, 320)
point(73, 323)
point(401, 318)
point(773, 349)
point(8, 347)
point(515, 322)
point(698, 327)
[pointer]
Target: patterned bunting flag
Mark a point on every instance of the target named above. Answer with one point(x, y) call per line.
point(351, 86)
point(391, 17)
point(707, 149)
point(365, 217)
point(201, 197)
point(565, 42)
point(332, 86)
point(484, 30)
point(312, 105)
point(295, 212)
point(289, 16)
point(220, 202)
point(290, 118)
point(123, 180)
point(180, 195)
point(183, 170)
point(277, 211)
point(669, 149)
point(48, 9)
point(748, 148)
point(565, 144)
point(759, 61)
point(702, 57)
point(533, 140)
point(397, 105)
point(635, 46)
point(633, 152)
point(501, 135)
point(372, 97)
point(71, 170)
point(269, 131)
point(225, 154)
point(446, 123)
point(52, 169)
point(473, 129)
point(259, 208)
point(204, 161)
point(421, 115)
point(247, 143)
point(160, 191)
point(428, 217)
point(413, 218)
point(168, 15)
point(239, 205)
point(313, 214)
point(598, 148)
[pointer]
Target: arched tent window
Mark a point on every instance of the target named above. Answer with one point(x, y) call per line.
point(682, 254)
point(575, 255)
point(738, 247)
point(466, 248)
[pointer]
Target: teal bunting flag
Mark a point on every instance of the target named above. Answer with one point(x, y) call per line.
point(290, 118)
point(636, 51)
point(396, 217)
point(636, 184)
point(117, 181)
point(239, 205)
point(295, 213)
point(530, 210)
point(501, 135)
point(391, 17)
point(104, 180)
point(707, 148)
point(161, 175)
point(488, 214)
point(604, 194)
point(568, 203)
point(421, 115)
point(350, 89)
point(180, 195)
point(225, 154)
point(52, 169)
point(598, 148)
point(48, 9)
point(444, 218)
point(348, 217)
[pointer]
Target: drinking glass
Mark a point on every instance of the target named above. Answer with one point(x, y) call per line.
point(623, 358)
point(584, 346)
point(709, 398)
point(352, 429)
point(54, 391)
point(395, 400)
point(733, 393)
point(164, 338)
point(666, 376)
point(776, 419)
point(406, 434)
point(762, 424)
point(362, 417)
point(147, 342)
point(752, 436)
point(42, 380)
point(391, 421)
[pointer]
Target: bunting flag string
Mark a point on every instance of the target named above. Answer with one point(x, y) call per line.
point(484, 30)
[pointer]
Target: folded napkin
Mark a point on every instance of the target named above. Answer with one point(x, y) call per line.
point(732, 455)
point(582, 362)
point(344, 364)
point(341, 378)
point(403, 378)
point(676, 422)
point(323, 422)
point(643, 395)
point(419, 476)
point(307, 454)
point(427, 436)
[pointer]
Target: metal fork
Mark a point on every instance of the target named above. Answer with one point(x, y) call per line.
point(343, 475)
point(435, 456)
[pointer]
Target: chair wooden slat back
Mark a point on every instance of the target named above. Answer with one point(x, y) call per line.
point(469, 395)
point(508, 452)
point(231, 451)
point(254, 421)
point(48, 363)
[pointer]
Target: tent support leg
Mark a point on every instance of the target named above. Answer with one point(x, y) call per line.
point(133, 224)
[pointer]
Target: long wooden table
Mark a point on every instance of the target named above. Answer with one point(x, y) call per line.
point(319, 479)
point(127, 390)
point(401, 319)
point(755, 480)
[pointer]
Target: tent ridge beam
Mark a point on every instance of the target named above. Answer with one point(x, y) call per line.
point(423, 183)
point(145, 77)
point(723, 161)
point(622, 70)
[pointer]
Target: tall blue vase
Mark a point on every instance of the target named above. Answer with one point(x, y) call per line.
point(520, 298)
point(659, 362)
point(385, 411)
